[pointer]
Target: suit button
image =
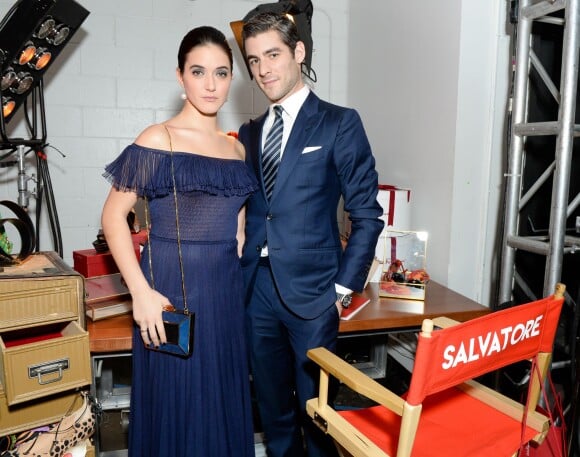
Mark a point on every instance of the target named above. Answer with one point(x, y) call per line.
point(258, 248)
point(269, 217)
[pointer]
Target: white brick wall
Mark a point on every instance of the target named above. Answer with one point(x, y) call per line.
point(410, 72)
point(117, 75)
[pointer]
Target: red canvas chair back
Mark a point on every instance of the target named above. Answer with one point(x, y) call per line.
point(465, 351)
point(446, 412)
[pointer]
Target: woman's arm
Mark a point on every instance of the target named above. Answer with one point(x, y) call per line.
point(147, 303)
point(241, 234)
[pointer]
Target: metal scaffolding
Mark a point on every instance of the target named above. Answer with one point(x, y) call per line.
point(556, 243)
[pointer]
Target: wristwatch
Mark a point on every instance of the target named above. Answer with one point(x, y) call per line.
point(344, 299)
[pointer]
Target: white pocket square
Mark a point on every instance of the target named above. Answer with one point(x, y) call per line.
point(311, 149)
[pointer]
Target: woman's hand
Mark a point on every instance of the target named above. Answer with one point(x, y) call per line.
point(147, 307)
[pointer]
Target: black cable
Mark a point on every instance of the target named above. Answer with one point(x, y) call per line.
point(309, 73)
point(55, 219)
point(574, 438)
point(49, 208)
point(509, 126)
point(514, 11)
point(46, 191)
point(574, 441)
point(51, 205)
point(28, 123)
point(8, 154)
point(574, 337)
point(39, 197)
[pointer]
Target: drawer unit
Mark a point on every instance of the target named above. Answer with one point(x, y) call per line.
point(31, 303)
point(44, 360)
point(30, 415)
point(44, 348)
point(41, 290)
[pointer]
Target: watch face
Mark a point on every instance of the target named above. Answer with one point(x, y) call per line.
point(346, 301)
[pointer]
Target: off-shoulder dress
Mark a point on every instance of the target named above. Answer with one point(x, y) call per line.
point(199, 406)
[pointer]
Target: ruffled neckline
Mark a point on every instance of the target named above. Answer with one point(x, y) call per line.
point(186, 153)
point(147, 171)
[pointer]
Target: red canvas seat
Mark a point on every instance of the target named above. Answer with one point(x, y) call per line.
point(445, 412)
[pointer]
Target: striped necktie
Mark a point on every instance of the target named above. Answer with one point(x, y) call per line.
point(272, 150)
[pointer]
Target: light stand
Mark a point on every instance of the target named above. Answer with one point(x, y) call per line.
point(32, 34)
point(23, 195)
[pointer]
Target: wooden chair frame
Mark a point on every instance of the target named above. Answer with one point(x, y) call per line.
point(351, 441)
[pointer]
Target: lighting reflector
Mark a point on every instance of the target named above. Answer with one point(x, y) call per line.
point(8, 106)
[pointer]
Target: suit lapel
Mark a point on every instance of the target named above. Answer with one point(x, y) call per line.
point(304, 126)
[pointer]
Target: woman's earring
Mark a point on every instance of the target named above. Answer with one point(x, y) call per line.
point(184, 96)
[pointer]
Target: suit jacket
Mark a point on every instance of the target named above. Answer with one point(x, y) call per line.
point(327, 155)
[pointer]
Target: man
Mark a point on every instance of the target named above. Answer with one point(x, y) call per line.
point(296, 274)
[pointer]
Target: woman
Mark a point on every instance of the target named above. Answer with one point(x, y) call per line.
point(196, 406)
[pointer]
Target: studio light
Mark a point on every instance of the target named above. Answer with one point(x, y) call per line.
point(300, 11)
point(32, 35)
point(8, 106)
point(27, 53)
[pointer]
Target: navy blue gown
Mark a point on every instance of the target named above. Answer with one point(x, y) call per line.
point(199, 406)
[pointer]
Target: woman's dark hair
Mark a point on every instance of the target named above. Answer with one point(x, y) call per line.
point(201, 36)
point(264, 22)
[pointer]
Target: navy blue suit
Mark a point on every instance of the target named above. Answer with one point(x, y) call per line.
point(291, 302)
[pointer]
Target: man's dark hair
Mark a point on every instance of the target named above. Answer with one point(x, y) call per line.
point(264, 22)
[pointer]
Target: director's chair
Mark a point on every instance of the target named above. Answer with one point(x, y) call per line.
point(445, 412)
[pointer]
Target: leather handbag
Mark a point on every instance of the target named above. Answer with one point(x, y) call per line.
point(178, 324)
point(179, 330)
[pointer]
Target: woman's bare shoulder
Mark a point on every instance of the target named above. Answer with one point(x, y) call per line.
point(155, 137)
point(237, 146)
point(240, 150)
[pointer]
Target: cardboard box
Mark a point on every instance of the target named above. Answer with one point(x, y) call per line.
point(18, 418)
point(89, 262)
point(404, 272)
point(42, 290)
point(43, 361)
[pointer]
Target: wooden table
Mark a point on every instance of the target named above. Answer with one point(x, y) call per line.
point(393, 314)
point(381, 315)
point(381, 319)
point(110, 335)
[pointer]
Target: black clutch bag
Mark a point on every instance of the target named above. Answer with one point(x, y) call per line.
point(178, 324)
point(179, 330)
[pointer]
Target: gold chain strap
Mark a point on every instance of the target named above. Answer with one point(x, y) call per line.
point(148, 222)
